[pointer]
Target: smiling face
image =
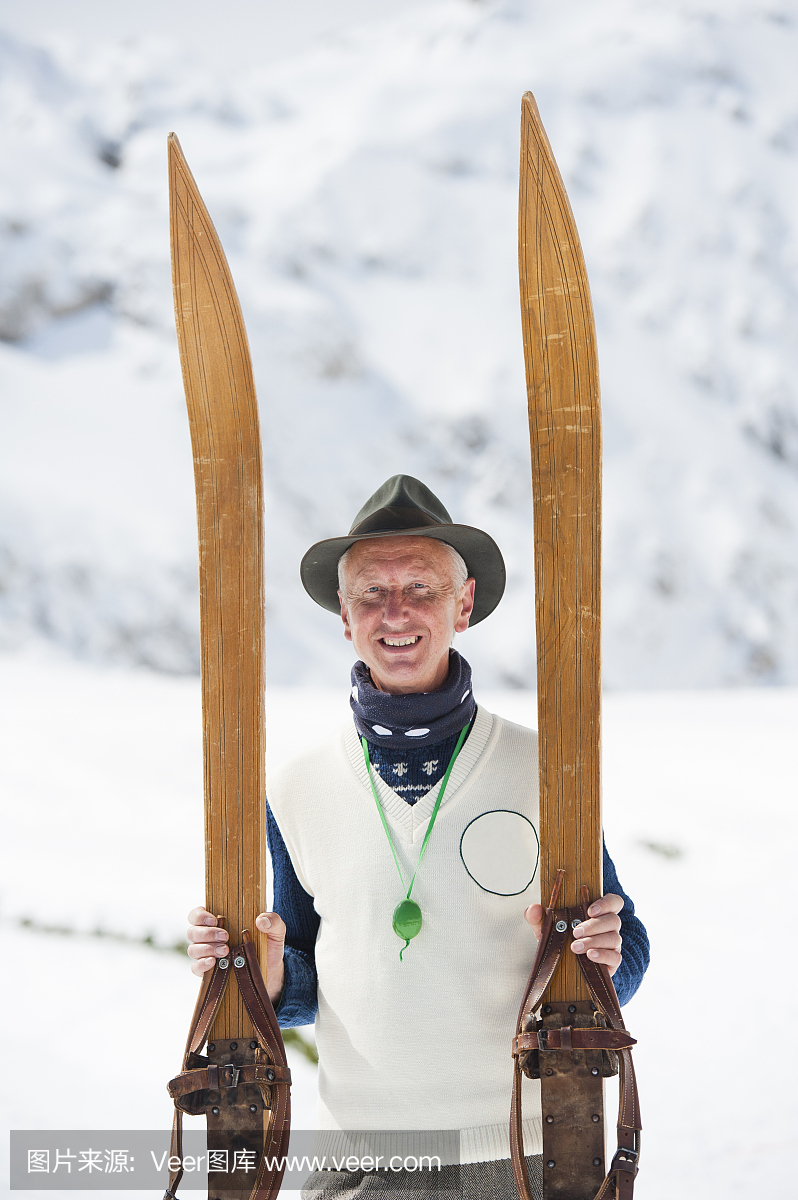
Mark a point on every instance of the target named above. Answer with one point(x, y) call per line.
point(401, 607)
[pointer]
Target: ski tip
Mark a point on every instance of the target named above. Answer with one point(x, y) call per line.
point(529, 100)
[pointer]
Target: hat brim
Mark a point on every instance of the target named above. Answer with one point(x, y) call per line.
point(483, 558)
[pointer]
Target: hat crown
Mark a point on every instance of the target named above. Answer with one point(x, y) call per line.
point(402, 502)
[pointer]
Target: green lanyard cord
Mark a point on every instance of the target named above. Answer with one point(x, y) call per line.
point(444, 782)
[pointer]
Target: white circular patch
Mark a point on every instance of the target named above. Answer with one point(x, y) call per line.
point(500, 851)
point(416, 733)
point(381, 730)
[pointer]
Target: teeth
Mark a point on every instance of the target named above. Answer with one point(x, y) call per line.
point(400, 641)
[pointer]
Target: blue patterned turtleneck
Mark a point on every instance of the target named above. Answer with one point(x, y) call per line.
point(411, 772)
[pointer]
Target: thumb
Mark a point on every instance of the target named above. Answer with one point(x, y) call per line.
point(273, 925)
point(534, 917)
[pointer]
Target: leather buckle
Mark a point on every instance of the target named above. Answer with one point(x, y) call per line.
point(234, 1070)
point(565, 1039)
point(625, 1160)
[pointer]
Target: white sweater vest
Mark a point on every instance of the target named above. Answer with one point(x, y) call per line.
point(423, 1043)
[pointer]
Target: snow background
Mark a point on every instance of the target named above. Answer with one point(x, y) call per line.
point(363, 179)
point(365, 190)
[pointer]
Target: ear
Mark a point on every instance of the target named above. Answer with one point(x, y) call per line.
point(345, 618)
point(465, 606)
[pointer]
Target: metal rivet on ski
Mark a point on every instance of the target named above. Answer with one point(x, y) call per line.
point(547, 1008)
point(561, 926)
point(211, 1046)
point(551, 1163)
point(234, 1045)
point(572, 1008)
point(270, 1076)
point(595, 1117)
point(253, 1108)
point(224, 963)
point(215, 1112)
point(549, 1071)
point(239, 961)
point(253, 1045)
point(549, 1120)
point(596, 1162)
point(594, 1071)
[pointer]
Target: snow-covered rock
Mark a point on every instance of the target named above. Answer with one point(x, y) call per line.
point(365, 192)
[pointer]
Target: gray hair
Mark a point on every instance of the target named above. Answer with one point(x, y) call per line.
point(456, 561)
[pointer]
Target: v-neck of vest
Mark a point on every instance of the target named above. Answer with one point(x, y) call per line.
point(412, 819)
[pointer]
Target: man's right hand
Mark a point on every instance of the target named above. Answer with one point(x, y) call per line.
point(207, 942)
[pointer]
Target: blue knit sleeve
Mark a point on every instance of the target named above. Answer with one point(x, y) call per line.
point(635, 953)
point(299, 999)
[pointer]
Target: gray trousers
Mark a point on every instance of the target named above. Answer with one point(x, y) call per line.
point(471, 1181)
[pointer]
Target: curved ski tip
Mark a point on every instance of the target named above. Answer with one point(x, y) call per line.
point(172, 143)
point(530, 100)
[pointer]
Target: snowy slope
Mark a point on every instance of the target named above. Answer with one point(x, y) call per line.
point(365, 192)
point(103, 827)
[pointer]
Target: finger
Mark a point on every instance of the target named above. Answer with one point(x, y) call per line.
point(609, 924)
point(199, 933)
point(610, 958)
point(201, 916)
point(205, 950)
point(605, 941)
point(607, 904)
point(202, 965)
point(534, 917)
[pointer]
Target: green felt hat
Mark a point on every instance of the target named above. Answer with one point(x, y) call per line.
point(404, 507)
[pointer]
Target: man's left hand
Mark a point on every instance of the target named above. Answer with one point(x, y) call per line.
point(599, 937)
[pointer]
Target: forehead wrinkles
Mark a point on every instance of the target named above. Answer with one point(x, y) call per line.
point(398, 569)
point(398, 562)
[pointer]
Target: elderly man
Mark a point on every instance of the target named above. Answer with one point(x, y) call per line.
point(419, 820)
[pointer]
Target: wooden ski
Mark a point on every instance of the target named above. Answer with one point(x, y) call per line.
point(570, 1048)
point(565, 436)
point(242, 1084)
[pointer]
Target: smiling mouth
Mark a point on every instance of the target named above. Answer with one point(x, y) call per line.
point(405, 641)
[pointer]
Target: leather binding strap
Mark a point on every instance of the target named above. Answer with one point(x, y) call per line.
point(246, 1094)
point(533, 1041)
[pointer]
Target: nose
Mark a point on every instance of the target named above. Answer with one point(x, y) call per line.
point(395, 606)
